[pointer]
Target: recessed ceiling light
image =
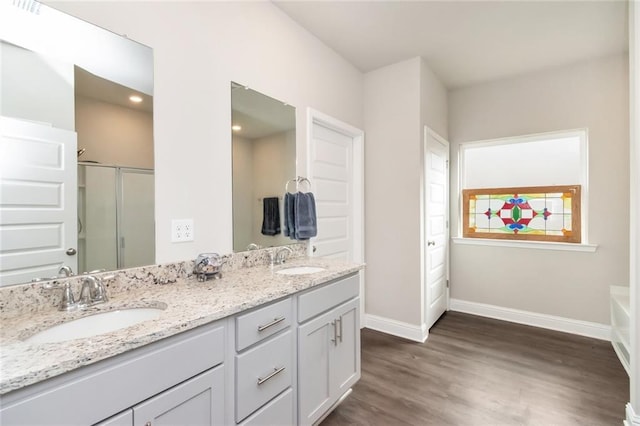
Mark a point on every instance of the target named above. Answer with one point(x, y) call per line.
point(135, 98)
point(236, 127)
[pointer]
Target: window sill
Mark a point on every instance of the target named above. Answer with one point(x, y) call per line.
point(540, 245)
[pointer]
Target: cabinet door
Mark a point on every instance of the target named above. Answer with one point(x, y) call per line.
point(345, 356)
point(196, 402)
point(315, 343)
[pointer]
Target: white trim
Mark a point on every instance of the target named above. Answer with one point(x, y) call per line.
point(357, 135)
point(634, 206)
point(541, 245)
point(397, 328)
point(632, 418)
point(551, 322)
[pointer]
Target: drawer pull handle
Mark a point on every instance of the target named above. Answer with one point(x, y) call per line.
point(271, 324)
point(276, 371)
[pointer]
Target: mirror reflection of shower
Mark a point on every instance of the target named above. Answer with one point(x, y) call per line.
point(115, 217)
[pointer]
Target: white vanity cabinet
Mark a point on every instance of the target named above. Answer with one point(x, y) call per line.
point(328, 347)
point(287, 362)
point(167, 372)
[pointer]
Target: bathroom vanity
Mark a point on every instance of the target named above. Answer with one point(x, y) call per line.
point(255, 347)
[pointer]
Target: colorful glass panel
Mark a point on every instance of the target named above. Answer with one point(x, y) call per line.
point(536, 213)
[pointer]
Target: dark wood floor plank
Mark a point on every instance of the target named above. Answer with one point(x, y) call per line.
point(479, 371)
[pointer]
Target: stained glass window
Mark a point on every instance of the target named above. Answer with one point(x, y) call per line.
point(545, 213)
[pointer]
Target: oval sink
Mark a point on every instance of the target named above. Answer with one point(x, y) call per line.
point(300, 270)
point(94, 325)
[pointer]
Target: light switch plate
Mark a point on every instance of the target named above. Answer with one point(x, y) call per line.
point(182, 230)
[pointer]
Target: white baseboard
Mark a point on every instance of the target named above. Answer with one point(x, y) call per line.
point(397, 328)
point(632, 418)
point(567, 325)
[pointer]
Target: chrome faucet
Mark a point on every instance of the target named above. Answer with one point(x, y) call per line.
point(93, 291)
point(68, 302)
point(66, 270)
point(282, 254)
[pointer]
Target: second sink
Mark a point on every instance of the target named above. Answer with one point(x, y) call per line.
point(300, 270)
point(95, 324)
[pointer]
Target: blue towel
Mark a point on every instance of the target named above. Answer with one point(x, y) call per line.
point(306, 222)
point(289, 218)
point(271, 216)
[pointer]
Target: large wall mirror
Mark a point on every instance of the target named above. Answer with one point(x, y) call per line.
point(76, 148)
point(264, 159)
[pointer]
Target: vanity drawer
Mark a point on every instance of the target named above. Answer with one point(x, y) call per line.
point(262, 373)
point(278, 412)
point(261, 323)
point(326, 297)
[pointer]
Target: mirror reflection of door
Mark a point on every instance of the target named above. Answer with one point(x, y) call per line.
point(264, 159)
point(37, 208)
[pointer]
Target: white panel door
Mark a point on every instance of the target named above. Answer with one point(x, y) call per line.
point(437, 226)
point(38, 200)
point(331, 176)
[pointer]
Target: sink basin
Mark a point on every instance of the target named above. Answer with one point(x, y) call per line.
point(300, 270)
point(94, 325)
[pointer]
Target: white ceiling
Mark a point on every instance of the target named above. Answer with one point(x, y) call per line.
point(466, 42)
point(259, 115)
point(91, 86)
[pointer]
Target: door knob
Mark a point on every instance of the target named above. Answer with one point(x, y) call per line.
point(71, 251)
point(431, 243)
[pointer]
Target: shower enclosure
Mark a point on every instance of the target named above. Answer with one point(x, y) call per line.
point(115, 217)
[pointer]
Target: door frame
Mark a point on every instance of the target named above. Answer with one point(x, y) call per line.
point(357, 176)
point(428, 132)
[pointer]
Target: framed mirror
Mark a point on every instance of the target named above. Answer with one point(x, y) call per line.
point(264, 159)
point(76, 147)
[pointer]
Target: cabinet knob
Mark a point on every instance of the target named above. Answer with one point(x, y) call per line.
point(71, 251)
point(147, 424)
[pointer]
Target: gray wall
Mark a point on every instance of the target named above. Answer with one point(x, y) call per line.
point(113, 134)
point(575, 285)
point(398, 101)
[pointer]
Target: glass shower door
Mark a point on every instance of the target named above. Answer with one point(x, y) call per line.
point(136, 218)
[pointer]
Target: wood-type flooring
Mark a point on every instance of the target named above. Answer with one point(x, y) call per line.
point(479, 371)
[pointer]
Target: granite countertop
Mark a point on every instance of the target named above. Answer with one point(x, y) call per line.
point(189, 304)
